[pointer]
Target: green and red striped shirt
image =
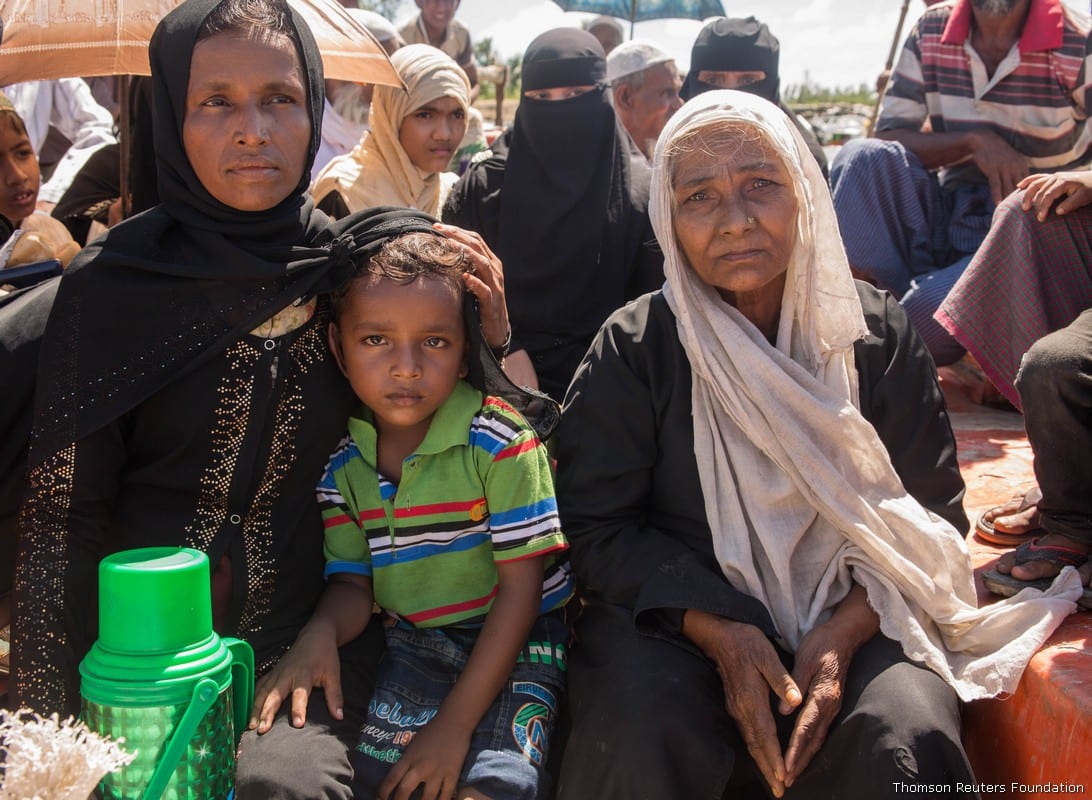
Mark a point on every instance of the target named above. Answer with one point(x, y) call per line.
point(478, 491)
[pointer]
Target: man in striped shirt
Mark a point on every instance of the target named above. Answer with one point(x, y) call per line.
point(985, 93)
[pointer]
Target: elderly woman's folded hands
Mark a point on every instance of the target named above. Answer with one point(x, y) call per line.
point(822, 661)
point(750, 668)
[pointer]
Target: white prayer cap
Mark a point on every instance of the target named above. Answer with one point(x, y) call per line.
point(633, 56)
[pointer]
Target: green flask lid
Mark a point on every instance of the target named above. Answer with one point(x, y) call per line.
point(154, 600)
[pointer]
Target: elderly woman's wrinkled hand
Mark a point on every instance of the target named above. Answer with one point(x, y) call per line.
point(485, 281)
point(821, 663)
point(821, 666)
point(749, 668)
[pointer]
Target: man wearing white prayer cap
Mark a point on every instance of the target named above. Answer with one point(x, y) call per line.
point(645, 84)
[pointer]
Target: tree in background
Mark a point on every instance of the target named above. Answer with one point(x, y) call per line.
point(807, 92)
point(485, 54)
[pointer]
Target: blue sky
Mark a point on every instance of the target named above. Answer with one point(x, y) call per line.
point(832, 42)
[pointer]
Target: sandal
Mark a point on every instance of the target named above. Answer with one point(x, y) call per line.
point(1006, 585)
point(1057, 554)
point(986, 530)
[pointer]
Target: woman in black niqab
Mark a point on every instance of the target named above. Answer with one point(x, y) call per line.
point(743, 44)
point(565, 209)
point(186, 397)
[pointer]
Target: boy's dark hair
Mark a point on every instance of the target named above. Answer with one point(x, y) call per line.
point(406, 258)
point(258, 18)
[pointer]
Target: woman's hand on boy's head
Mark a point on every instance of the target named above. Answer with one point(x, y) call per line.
point(485, 281)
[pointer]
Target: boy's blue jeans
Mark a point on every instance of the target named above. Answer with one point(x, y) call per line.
point(508, 750)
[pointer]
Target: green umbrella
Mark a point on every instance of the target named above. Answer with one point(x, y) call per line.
point(640, 10)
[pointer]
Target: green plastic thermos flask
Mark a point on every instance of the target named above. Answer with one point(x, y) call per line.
point(160, 677)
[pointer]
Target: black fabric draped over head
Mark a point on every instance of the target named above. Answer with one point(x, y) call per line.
point(735, 45)
point(368, 231)
point(170, 288)
point(726, 44)
point(565, 198)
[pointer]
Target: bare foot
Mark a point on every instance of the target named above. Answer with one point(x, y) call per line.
point(1046, 567)
point(1019, 515)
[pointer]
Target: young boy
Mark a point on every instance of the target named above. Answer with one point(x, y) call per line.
point(36, 235)
point(439, 508)
point(436, 25)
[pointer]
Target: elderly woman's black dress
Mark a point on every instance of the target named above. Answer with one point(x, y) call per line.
point(186, 397)
point(648, 707)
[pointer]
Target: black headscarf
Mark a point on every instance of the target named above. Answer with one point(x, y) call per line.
point(745, 45)
point(170, 288)
point(369, 230)
point(565, 197)
point(735, 45)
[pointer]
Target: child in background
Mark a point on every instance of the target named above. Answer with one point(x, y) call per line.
point(403, 160)
point(436, 25)
point(439, 508)
point(20, 177)
point(36, 235)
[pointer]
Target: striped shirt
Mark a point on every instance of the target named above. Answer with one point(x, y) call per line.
point(478, 491)
point(1035, 100)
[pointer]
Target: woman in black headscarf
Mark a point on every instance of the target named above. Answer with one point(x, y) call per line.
point(185, 392)
point(564, 207)
point(742, 54)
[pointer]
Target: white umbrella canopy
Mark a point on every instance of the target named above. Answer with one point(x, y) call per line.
point(46, 39)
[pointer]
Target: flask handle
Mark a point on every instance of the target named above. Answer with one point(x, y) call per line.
point(205, 693)
point(242, 683)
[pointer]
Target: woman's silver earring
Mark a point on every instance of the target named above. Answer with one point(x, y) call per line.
point(751, 220)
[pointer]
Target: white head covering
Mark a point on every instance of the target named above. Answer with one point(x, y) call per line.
point(799, 490)
point(377, 25)
point(633, 56)
point(378, 171)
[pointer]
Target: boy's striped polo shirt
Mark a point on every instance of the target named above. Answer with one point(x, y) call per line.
point(477, 492)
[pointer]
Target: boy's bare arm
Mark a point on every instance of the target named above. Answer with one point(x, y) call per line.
point(343, 612)
point(471, 71)
point(1072, 188)
point(436, 754)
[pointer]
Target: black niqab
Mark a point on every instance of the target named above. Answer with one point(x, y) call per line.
point(170, 288)
point(745, 45)
point(735, 45)
point(566, 198)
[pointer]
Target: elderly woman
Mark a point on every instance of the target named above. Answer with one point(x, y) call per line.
point(758, 478)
